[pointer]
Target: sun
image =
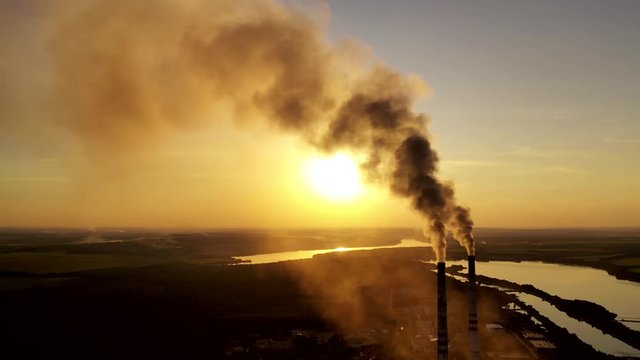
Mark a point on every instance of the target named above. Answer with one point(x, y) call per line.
point(336, 178)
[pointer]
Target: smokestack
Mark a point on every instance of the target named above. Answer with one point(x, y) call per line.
point(473, 308)
point(443, 338)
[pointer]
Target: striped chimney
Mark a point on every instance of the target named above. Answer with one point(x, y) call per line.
point(443, 338)
point(473, 308)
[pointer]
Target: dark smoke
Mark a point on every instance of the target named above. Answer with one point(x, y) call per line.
point(126, 73)
point(414, 178)
point(462, 227)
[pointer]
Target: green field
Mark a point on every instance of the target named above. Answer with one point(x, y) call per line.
point(172, 295)
point(57, 262)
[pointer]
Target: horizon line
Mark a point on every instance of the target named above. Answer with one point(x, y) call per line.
point(267, 228)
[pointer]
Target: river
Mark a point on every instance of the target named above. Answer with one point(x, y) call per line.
point(308, 254)
point(572, 282)
point(569, 282)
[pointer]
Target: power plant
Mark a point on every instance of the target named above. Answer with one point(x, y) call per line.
point(473, 308)
point(443, 336)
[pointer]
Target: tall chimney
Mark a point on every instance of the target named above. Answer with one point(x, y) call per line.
point(473, 308)
point(443, 338)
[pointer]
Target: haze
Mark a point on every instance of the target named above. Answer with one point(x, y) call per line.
point(534, 111)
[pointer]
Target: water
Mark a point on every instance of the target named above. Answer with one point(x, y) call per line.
point(572, 282)
point(588, 334)
point(569, 282)
point(308, 254)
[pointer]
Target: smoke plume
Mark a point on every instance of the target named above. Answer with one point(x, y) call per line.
point(462, 227)
point(126, 73)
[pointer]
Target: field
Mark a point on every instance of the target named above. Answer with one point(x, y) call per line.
point(163, 294)
point(615, 250)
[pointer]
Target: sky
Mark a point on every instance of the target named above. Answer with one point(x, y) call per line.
point(534, 110)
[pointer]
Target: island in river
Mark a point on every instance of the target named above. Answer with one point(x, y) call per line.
point(167, 294)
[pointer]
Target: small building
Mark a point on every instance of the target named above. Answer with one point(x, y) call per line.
point(494, 326)
point(542, 344)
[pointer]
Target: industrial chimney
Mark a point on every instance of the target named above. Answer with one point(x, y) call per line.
point(443, 338)
point(473, 308)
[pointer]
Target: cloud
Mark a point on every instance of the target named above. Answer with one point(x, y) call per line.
point(617, 140)
point(33, 179)
point(126, 74)
point(474, 163)
point(528, 152)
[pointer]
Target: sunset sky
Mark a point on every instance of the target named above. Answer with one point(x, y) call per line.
point(534, 109)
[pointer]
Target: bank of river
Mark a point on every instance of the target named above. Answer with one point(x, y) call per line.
point(568, 282)
point(588, 334)
point(572, 282)
point(308, 254)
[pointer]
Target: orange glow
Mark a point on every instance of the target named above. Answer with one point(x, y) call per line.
point(336, 178)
